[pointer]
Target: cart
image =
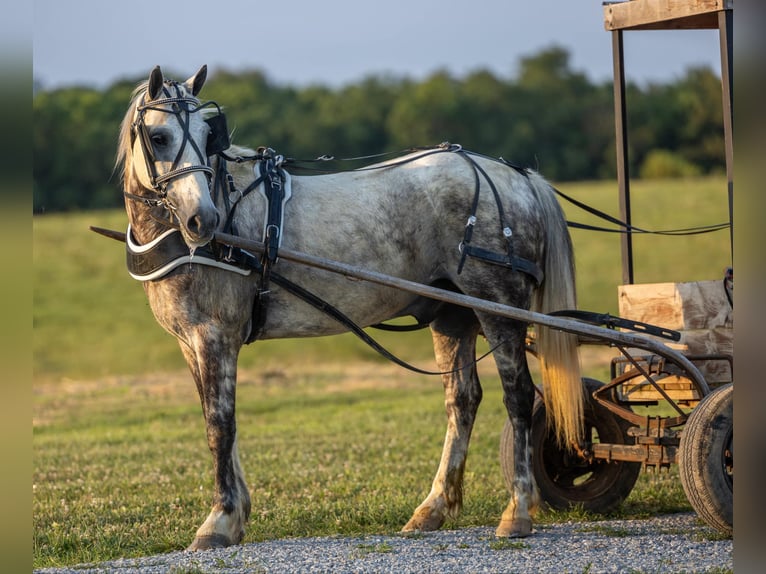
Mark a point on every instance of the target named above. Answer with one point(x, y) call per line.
point(691, 422)
point(692, 425)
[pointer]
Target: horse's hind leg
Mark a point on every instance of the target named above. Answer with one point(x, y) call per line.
point(454, 335)
point(212, 360)
point(508, 339)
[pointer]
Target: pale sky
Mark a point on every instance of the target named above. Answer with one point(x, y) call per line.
point(334, 42)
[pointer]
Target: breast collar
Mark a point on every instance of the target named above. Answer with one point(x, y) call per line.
point(167, 252)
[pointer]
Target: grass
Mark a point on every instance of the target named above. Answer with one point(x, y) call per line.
point(121, 466)
point(333, 440)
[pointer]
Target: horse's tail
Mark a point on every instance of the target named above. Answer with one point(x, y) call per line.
point(559, 360)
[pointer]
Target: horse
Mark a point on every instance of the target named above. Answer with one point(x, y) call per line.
point(438, 216)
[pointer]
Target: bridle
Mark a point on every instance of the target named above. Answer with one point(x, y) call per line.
point(182, 107)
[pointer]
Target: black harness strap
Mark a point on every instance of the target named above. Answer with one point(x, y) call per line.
point(612, 322)
point(623, 227)
point(508, 259)
point(273, 179)
point(335, 313)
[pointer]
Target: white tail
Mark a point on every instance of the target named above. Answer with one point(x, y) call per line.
point(559, 360)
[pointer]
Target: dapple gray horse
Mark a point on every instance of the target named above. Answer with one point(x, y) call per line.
point(433, 217)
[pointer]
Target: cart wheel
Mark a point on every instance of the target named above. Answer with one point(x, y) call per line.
point(706, 459)
point(563, 478)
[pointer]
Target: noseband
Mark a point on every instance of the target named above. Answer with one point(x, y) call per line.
point(181, 107)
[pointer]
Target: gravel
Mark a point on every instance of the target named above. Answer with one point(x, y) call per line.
point(666, 544)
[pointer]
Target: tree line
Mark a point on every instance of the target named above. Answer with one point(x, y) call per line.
point(548, 117)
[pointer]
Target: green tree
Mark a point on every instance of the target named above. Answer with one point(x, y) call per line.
point(560, 121)
point(74, 134)
point(549, 117)
point(427, 113)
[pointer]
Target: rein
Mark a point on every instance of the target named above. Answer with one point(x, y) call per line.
point(622, 227)
point(625, 228)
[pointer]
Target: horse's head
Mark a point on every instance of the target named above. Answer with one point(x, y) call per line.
point(164, 152)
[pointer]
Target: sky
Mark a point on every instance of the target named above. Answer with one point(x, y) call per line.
point(336, 42)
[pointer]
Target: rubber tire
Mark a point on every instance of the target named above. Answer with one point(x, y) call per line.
point(606, 484)
point(706, 459)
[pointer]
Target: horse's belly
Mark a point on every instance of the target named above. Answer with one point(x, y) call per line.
point(362, 302)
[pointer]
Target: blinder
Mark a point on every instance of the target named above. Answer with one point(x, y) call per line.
point(218, 138)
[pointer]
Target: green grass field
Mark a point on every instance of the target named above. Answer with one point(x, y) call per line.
point(333, 440)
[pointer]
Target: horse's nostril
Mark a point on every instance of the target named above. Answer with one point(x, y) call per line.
point(193, 224)
point(203, 225)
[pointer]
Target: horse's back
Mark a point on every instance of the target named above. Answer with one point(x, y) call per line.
point(408, 207)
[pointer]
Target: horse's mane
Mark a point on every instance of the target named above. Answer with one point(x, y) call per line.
point(126, 126)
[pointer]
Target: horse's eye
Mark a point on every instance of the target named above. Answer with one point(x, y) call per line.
point(159, 140)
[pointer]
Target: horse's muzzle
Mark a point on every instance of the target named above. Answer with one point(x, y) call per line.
point(199, 228)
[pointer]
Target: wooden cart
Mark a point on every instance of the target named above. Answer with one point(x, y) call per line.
point(693, 424)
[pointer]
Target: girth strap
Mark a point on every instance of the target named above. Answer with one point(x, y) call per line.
point(274, 178)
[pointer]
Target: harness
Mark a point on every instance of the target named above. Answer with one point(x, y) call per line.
point(274, 184)
point(168, 251)
point(507, 259)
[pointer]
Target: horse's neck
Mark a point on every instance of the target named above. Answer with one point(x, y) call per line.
point(249, 213)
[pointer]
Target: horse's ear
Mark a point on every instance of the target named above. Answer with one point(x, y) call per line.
point(195, 83)
point(155, 83)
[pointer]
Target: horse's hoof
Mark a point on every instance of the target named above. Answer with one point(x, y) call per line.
point(208, 542)
point(424, 521)
point(516, 528)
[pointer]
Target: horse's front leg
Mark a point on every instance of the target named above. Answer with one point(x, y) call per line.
point(212, 359)
point(454, 336)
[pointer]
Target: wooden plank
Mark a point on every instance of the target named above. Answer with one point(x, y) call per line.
point(714, 341)
point(714, 371)
point(649, 454)
point(679, 306)
point(701, 312)
point(664, 14)
point(677, 388)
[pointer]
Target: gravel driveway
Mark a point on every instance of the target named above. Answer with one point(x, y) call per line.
point(667, 544)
